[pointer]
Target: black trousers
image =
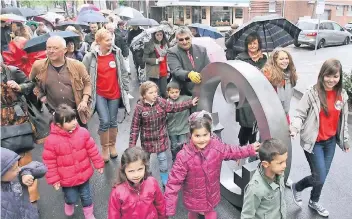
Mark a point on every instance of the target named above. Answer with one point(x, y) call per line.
point(245, 136)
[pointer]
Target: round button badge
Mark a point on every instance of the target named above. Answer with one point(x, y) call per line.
point(112, 64)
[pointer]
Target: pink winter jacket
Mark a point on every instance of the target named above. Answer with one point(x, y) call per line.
point(198, 173)
point(68, 156)
point(127, 202)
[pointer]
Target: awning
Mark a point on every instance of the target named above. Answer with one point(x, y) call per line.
point(222, 3)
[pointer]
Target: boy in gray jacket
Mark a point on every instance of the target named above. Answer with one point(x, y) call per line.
point(264, 194)
point(177, 123)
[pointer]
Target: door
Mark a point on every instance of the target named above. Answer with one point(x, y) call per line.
point(196, 14)
point(339, 33)
point(328, 33)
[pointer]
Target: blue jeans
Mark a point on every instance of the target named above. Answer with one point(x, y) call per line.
point(162, 158)
point(319, 162)
point(107, 111)
point(177, 141)
point(73, 193)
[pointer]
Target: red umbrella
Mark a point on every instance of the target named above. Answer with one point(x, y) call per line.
point(16, 56)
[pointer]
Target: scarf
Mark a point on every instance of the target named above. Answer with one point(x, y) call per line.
point(256, 56)
point(285, 92)
point(161, 51)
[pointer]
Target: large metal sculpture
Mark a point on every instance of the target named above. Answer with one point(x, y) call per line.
point(241, 81)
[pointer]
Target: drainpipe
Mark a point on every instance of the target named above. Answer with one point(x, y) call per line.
point(284, 9)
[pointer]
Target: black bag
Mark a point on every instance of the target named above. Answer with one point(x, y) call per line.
point(40, 120)
point(17, 138)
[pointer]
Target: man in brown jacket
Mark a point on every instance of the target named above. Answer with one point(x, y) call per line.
point(62, 80)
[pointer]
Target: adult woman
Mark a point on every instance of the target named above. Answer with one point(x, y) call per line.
point(322, 121)
point(72, 52)
point(82, 47)
point(156, 61)
point(244, 115)
point(18, 29)
point(110, 83)
point(281, 73)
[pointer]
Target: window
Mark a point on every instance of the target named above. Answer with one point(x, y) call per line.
point(339, 10)
point(272, 5)
point(188, 13)
point(349, 10)
point(336, 27)
point(169, 12)
point(179, 16)
point(238, 13)
point(328, 26)
point(220, 16)
point(204, 13)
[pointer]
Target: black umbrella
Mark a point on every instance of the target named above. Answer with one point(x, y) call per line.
point(275, 31)
point(39, 43)
point(76, 24)
point(142, 22)
point(25, 12)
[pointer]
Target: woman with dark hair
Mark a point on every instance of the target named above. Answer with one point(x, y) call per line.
point(72, 52)
point(244, 115)
point(155, 58)
point(322, 122)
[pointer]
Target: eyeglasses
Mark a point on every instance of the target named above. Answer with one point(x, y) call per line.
point(182, 39)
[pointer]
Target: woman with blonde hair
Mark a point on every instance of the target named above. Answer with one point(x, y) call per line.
point(110, 86)
point(281, 73)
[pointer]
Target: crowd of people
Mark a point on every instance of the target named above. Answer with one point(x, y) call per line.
point(78, 79)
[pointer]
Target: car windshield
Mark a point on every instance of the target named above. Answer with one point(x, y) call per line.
point(307, 26)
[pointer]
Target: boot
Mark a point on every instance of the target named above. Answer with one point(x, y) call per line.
point(164, 177)
point(88, 212)
point(112, 142)
point(104, 141)
point(69, 209)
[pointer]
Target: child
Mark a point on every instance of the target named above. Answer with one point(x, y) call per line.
point(197, 169)
point(150, 120)
point(136, 195)
point(177, 123)
point(68, 153)
point(264, 194)
point(15, 202)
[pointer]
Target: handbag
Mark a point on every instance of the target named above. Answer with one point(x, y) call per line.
point(17, 138)
point(40, 120)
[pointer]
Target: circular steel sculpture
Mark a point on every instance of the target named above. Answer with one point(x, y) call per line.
point(241, 81)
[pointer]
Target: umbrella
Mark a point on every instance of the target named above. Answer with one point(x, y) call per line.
point(16, 56)
point(76, 24)
point(57, 10)
point(142, 22)
point(274, 30)
point(12, 17)
point(128, 12)
point(25, 12)
point(144, 37)
point(91, 16)
point(45, 21)
point(39, 43)
point(206, 30)
point(51, 17)
point(215, 52)
point(86, 7)
point(106, 11)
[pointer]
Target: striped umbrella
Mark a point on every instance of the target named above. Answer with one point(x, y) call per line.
point(274, 30)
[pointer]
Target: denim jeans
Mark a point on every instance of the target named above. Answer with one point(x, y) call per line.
point(107, 111)
point(162, 161)
point(177, 142)
point(73, 193)
point(319, 161)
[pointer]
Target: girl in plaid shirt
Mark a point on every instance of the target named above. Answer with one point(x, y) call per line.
point(149, 119)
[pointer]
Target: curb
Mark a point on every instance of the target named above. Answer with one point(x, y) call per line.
point(298, 94)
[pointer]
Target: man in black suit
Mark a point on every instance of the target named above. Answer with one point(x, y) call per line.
point(186, 61)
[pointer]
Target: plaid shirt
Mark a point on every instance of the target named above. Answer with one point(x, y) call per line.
point(150, 121)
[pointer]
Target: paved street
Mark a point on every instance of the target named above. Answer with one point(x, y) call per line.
point(337, 193)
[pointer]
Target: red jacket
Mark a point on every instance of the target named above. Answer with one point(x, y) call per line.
point(68, 156)
point(198, 174)
point(127, 202)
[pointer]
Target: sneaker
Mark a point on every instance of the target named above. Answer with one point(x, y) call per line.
point(318, 208)
point(297, 196)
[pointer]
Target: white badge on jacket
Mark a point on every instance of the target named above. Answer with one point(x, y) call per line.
point(112, 64)
point(338, 105)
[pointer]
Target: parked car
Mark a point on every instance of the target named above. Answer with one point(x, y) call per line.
point(349, 27)
point(330, 33)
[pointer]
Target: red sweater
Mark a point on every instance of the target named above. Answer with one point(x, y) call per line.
point(328, 124)
point(107, 81)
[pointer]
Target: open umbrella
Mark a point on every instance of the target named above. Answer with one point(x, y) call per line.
point(25, 12)
point(86, 7)
point(51, 17)
point(76, 24)
point(128, 12)
point(215, 52)
point(91, 16)
point(57, 10)
point(274, 30)
point(206, 30)
point(12, 17)
point(47, 22)
point(39, 43)
point(142, 22)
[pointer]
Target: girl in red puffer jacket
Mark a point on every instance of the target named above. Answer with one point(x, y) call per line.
point(197, 169)
point(137, 195)
point(68, 153)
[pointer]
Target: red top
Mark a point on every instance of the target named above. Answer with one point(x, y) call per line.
point(162, 65)
point(328, 124)
point(107, 82)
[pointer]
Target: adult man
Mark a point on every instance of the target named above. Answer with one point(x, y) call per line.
point(90, 37)
point(186, 61)
point(230, 52)
point(62, 80)
point(117, 39)
point(122, 31)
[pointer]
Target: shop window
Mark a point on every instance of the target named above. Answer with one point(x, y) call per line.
point(188, 13)
point(339, 10)
point(238, 13)
point(179, 16)
point(169, 12)
point(272, 5)
point(220, 16)
point(204, 13)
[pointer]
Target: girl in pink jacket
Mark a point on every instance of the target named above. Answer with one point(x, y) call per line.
point(136, 195)
point(197, 169)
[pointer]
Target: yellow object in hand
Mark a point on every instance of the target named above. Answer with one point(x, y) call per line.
point(195, 77)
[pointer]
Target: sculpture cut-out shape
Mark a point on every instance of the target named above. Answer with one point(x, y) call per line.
point(241, 81)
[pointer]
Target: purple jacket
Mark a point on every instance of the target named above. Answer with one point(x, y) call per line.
point(198, 173)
